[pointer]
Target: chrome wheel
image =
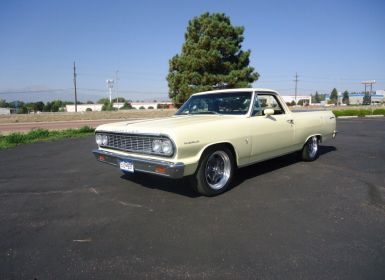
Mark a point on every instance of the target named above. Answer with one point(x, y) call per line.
point(218, 170)
point(312, 147)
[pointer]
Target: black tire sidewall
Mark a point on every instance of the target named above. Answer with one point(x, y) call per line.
point(305, 151)
point(200, 181)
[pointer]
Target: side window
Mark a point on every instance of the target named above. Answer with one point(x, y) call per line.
point(266, 101)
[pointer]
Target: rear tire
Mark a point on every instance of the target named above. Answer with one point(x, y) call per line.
point(215, 171)
point(310, 150)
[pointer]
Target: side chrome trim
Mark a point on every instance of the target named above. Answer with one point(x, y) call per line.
point(172, 170)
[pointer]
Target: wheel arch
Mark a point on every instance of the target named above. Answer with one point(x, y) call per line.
point(318, 135)
point(220, 144)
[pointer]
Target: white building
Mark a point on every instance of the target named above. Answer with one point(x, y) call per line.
point(84, 107)
point(291, 98)
point(358, 98)
point(5, 111)
point(136, 105)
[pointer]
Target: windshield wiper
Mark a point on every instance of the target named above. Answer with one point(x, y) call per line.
point(205, 112)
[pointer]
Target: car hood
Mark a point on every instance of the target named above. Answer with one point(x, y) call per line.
point(161, 125)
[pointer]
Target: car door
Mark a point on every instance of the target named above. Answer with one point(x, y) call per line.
point(271, 135)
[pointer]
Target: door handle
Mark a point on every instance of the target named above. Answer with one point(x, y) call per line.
point(290, 121)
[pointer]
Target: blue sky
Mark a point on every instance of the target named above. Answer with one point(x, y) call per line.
point(329, 43)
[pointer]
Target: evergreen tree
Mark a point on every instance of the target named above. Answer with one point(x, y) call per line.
point(345, 97)
point(316, 98)
point(334, 96)
point(211, 58)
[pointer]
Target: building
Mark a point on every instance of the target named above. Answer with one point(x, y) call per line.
point(84, 108)
point(152, 105)
point(136, 105)
point(5, 111)
point(358, 98)
point(291, 98)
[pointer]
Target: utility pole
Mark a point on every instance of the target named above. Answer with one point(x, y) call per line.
point(116, 87)
point(76, 96)
point(296, 82)
point(110, 84)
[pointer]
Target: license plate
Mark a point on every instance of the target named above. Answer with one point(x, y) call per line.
point(126, 166)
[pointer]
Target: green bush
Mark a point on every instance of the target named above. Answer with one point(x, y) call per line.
point(37, 133)
point(379, 112)
point(17, 138)
point(358, 112)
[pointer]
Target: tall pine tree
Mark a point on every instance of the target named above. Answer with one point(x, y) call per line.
point(211, 58)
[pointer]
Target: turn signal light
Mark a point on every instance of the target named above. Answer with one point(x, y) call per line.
point(160, 169)
point(102, 158)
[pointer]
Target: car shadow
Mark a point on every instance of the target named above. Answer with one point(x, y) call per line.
point(268, 166)
point(177, 186)
point(182, 186)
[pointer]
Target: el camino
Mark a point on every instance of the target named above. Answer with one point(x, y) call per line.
point(212, 135)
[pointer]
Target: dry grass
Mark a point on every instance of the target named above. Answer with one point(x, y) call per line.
point(51, 117)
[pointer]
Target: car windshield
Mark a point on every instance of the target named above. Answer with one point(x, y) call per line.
point(226, 103)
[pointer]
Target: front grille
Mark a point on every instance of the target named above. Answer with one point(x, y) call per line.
point(131, 143)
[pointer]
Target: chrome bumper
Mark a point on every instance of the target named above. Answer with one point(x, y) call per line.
point(157, 167)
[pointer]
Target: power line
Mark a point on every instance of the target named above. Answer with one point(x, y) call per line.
point(76, 97)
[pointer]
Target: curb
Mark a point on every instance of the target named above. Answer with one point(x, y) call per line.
point(366, 116)
point(347, 117)
point(374, 116)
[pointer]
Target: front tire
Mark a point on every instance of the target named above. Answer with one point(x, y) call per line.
point(215, 171)
point(310, 150)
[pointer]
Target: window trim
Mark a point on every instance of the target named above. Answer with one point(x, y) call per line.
point(256, 94)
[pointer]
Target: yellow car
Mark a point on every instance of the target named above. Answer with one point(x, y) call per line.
point(212, 135)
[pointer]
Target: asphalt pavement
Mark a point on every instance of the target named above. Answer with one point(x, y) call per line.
point(63, 215)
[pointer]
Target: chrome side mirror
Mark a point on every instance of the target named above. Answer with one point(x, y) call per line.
point(268, 112)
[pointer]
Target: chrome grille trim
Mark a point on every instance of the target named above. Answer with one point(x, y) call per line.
point(136, 143)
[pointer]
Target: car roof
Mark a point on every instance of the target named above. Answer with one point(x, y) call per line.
point(237, 90)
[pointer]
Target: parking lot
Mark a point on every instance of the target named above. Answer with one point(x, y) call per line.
point(63, 215)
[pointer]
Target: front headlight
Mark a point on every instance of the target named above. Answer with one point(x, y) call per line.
point(98, 138)
point(157, 146)
point(104, 140)
point(167, 147)
point(162, 147)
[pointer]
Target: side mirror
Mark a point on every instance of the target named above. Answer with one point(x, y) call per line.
point(268, 112)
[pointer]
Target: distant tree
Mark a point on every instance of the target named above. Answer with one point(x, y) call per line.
point(108, 106)
point(31, 107)
point(345, 97)
point(127, 106)
point(150, 107)
point(103, 100)
point(120, 99)
point(19, 107)
point(39, 106)
point(89, 102)
point(293, 103)
point(3, 104)
point(56, 105)
point(367, 99)
point(316, 98)
point(47, 107)
point(334, 96)
point(300, 102)
point(211, 58)
point(142, 108)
